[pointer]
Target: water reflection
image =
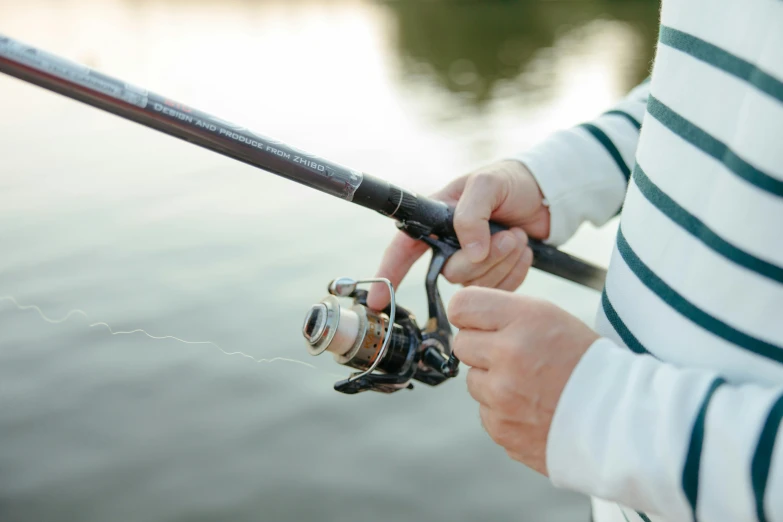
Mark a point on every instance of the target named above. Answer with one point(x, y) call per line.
point(470, 48)
point(144, 231)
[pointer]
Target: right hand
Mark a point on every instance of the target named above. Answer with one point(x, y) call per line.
point(505, 192)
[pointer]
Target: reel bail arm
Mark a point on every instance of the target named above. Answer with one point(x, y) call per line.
point(389, 347)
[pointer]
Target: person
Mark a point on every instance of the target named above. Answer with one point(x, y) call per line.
point(670, 407)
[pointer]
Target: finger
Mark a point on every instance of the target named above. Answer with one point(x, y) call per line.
point(478, 385)
point(508, 243)
point(404, 251)
point(474, 348)
point(515, 455)
point(519, 272)
point(483, 193)
point(488, 420)
point(499, 272)
point(452, 192)
point(399, 257)
point(486, 309)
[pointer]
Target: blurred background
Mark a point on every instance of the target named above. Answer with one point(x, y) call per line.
point(142, 231)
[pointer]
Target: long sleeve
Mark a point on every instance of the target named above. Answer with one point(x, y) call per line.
point(583, 171)
point(678, 443)
point(676, 411)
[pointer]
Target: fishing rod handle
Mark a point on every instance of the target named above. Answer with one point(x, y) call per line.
point(545, 257)
point(551, 260)
point(556, 262)
point(425, 216)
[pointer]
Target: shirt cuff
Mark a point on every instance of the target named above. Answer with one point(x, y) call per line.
point(586, 404)
point(578, 179)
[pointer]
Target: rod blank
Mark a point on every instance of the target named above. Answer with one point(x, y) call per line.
point(98, 90)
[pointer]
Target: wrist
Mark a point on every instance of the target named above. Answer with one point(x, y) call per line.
point(552, 190)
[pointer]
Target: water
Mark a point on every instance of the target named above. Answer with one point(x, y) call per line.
point(142, 231)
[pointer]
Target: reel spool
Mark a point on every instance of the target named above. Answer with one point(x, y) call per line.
point(387, 347)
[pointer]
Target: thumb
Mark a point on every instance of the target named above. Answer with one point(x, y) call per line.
point(482, 195)
point(399, 257)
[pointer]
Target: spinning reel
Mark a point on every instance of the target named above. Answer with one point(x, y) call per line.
point(388, 347)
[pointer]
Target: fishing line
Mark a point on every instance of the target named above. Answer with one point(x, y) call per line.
point(77, 311)
point(24, 308)
point(139, 330)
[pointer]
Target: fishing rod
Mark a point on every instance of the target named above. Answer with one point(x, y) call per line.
point(388, 347)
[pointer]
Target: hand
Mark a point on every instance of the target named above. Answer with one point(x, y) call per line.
point(522, 352)
point(505, 192)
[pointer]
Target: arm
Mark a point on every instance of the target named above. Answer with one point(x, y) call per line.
point(577, 174)
point(583, 171)
point(680, 443)
point(625, 427)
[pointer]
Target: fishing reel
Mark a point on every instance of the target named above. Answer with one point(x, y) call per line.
point(388, 347)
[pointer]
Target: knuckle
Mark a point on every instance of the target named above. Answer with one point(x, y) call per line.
point(501, 434)
point(455, 304)
point(483, 415)
point(522, 235)
point(504, 359)
point(484, 178)
point(503, 394)
point(455, 271)
point(483, 183)
point(463, 219)
point(527, 258)
point(520, 244)
point(512, 351)
point(523, 266)
point(460, 302)
point(504, 353)
point(472, 385)
point(473, 394)
point(478, 282)
point(515, 455)
point(488, 421)
point(450, 273)
point(470, 377)
point(458, 305)
point(505, 243)
point(520, 272)
point(514, 280)
point(459, 346)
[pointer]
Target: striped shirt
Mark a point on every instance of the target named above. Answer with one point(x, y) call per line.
point(675, 414)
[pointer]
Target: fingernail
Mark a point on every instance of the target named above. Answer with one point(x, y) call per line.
point(506, 244)
point(474, 251)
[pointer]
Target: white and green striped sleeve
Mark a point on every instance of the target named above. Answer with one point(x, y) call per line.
point(675, 414)
point(583, 171)
point(670, 443)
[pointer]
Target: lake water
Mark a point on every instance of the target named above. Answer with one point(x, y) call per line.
point(142, 231)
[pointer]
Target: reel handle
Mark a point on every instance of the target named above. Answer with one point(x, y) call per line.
point(421, 217)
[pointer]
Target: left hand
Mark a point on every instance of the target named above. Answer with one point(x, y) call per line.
point(521, 351)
